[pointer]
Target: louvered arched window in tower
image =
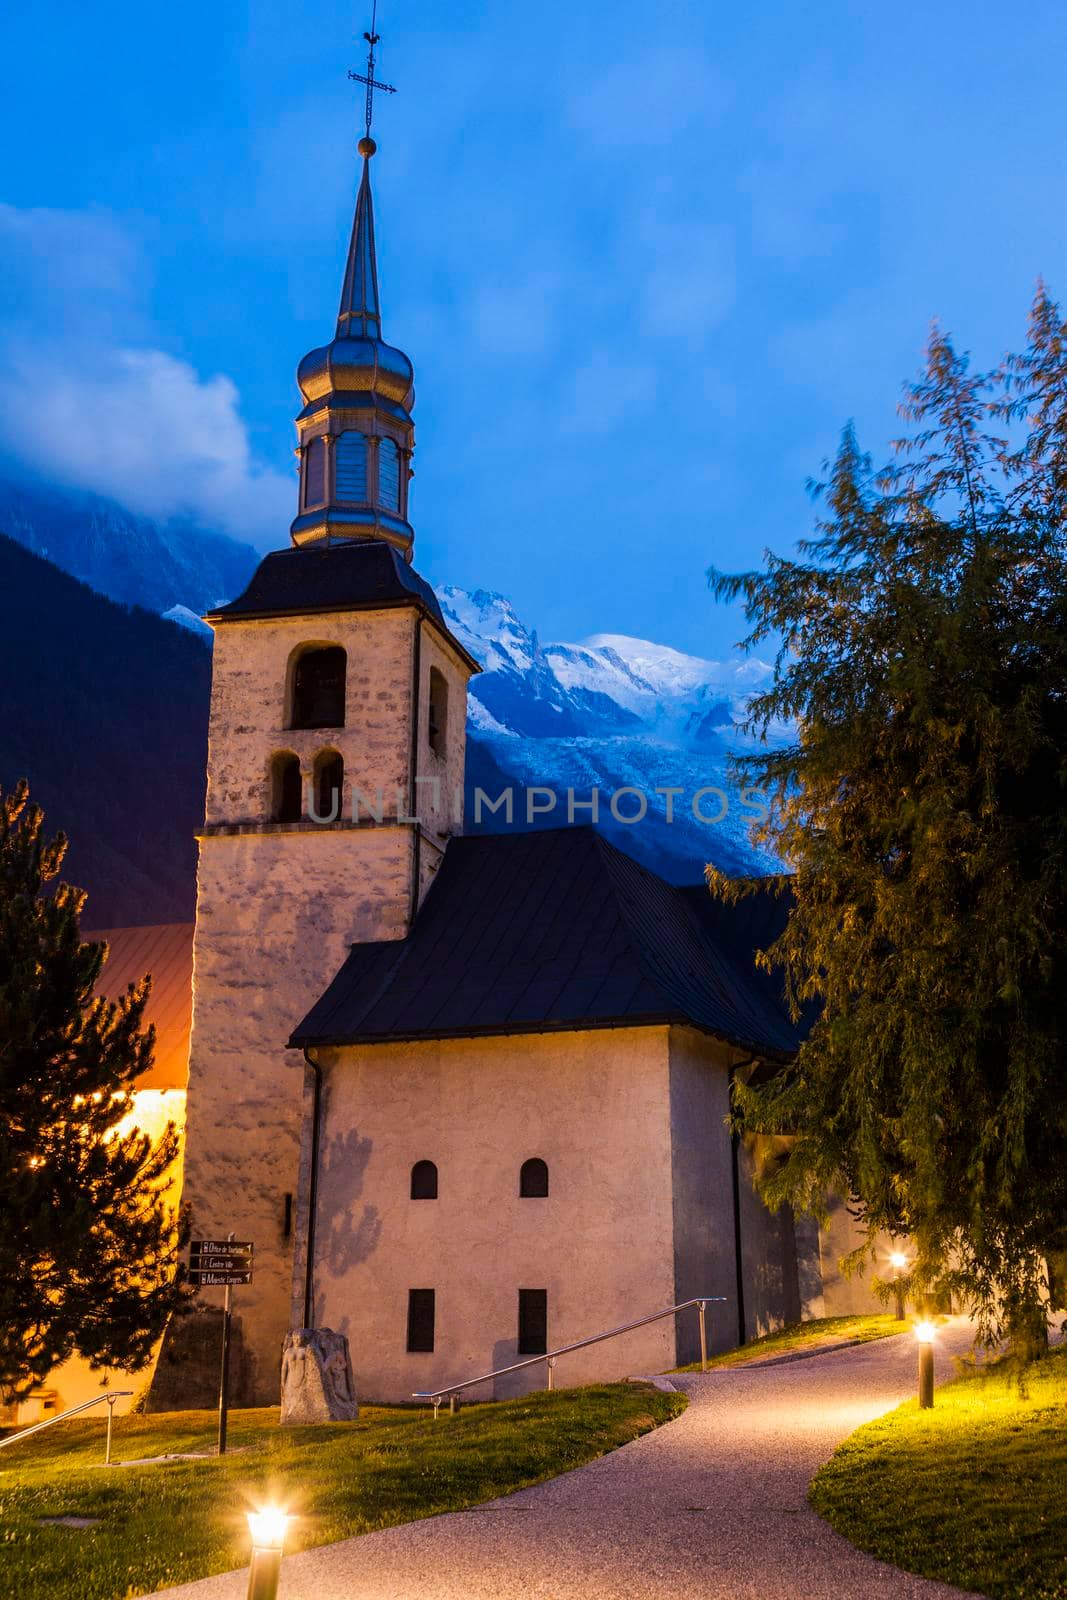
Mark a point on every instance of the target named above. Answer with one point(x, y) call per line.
point(437, 723)
point(329, 786)
point(285, 787)
point(315, 473)
point(350, 469)
point(317, 692)
point(388, 475)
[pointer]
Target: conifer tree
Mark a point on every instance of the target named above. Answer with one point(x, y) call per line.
point(88, 1242)
point(921, 810)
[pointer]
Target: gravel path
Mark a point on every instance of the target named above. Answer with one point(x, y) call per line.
point(712, 1505)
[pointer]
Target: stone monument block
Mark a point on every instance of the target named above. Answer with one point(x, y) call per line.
point(317, 1383)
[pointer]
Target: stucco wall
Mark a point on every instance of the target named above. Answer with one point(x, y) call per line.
point(853, 1295)
point(704, 1254)
point(595, 1106)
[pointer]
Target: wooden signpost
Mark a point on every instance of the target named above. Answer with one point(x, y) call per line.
point(220, 1264)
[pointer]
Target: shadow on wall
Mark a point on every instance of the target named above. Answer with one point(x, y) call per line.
point(353, 1233)
point(186, 1375)
point(513, 1385)
point(772, 1287)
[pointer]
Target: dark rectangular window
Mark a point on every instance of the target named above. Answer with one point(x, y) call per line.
point(533, 1322)
point(420, 1319)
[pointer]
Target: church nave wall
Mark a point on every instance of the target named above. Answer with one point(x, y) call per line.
point(595, 1106)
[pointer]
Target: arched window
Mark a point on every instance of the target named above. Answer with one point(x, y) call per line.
point(388, 475)
point(438, 721)
point(319, 688)
point(285, 797)
point(424, 1181)
point(315, 473)
point(329, 788)
point(350, 469)
point(533, 1179)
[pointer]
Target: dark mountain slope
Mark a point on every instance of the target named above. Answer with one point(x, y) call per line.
point(104, 710)
point(134, 559)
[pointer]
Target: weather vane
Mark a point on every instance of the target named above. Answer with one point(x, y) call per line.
point(371, 81)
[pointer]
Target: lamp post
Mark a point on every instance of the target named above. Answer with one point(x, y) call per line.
point(898, 1261)
point(267, 1528)
point(925, 1333)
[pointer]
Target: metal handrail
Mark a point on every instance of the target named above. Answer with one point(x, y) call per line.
point(450, 1390)
point(115, 1394)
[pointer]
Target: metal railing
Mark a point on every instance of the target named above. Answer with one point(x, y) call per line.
point(449, 1391)
point(116, 1394)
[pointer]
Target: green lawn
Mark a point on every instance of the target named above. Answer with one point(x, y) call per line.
point(973, 1492)
point(807, 1336)
point(167, 1523)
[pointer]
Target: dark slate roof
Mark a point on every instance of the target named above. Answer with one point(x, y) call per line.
point(359, 575)
point(558, 930)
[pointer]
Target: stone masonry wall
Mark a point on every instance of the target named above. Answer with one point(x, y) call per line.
point(278, 907)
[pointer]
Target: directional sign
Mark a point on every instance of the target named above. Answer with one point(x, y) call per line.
point(220, 1263)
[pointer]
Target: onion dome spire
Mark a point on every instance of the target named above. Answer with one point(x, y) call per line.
point(360, 314)
point(355, 430)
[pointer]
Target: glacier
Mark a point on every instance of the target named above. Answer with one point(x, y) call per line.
point(612, 714)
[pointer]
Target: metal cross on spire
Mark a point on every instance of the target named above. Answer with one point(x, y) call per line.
point(368, 77)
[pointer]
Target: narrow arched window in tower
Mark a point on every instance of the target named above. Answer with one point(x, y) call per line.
point(350, 469)
point(319, 688)
point(315, 473)
point(438, 716)
point(424, 1181)
point(388, 475)
point(533, 1179)
point(285, 796)
point(329, 775)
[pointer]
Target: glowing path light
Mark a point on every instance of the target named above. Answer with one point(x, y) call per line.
point(267, 1528)
point(926, 1333)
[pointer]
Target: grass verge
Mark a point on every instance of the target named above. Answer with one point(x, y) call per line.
point(971, 1493)
point(806, 1336)
point(168, 1523)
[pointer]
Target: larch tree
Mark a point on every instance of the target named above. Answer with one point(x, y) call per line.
point(921, 813)
point(89, 1242)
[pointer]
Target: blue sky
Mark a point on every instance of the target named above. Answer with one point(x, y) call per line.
point(647, 259)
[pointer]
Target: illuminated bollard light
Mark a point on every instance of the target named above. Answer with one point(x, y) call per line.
point(898, 1261)
point(925, 1333)
point(267, 1528)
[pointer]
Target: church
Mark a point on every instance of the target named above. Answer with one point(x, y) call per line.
point(465, 1094)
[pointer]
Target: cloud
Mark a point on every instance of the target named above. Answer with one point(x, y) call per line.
point(77, 272)
point(646, 99)
point(86, 399)
point(690, 276)
point(607, 390)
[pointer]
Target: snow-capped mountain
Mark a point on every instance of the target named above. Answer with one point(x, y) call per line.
point(649, 729)
point(610, 714)
point(135, 560)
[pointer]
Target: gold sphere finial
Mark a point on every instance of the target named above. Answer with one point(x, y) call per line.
point(366, 147)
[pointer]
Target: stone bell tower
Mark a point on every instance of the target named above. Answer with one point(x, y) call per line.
point(335, 778)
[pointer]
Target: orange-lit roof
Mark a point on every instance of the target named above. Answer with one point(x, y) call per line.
point(165, 950)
